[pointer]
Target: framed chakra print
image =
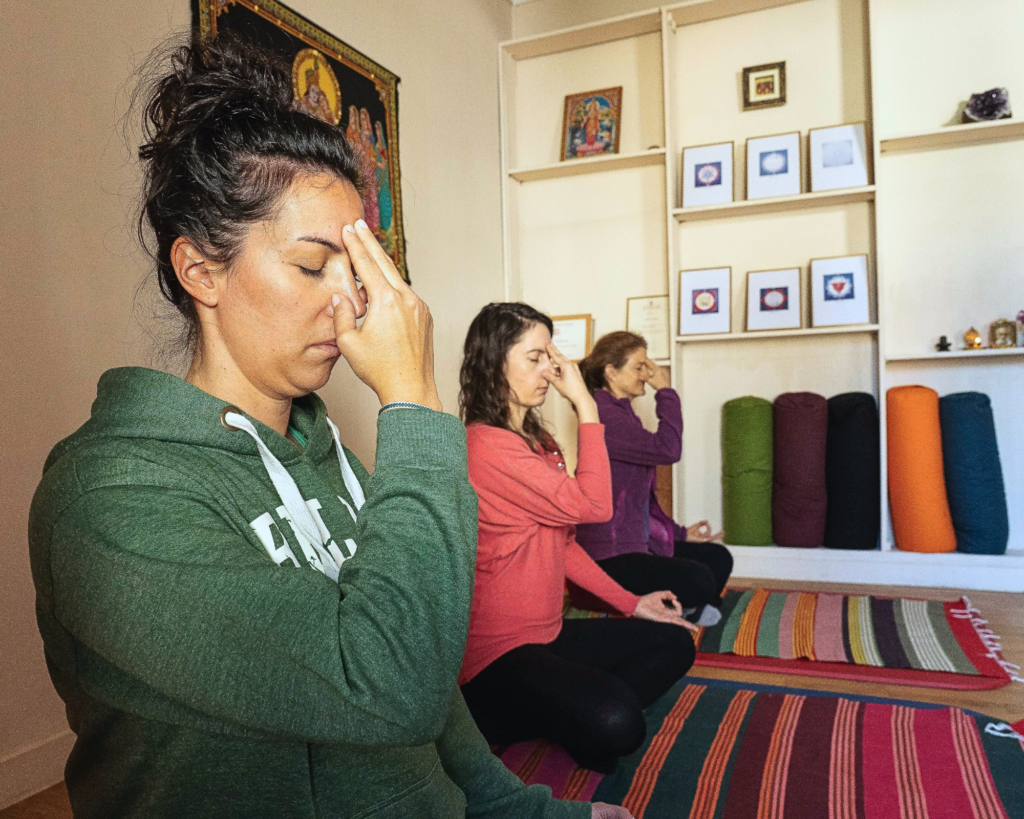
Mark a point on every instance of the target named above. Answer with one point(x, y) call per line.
point(773, 299)
point(838, 157)
point(773, 166)
point(705, 304)
point(590, 125)
point(333, 82)
point(707, 174)
point(764, 86)
point(839, 291)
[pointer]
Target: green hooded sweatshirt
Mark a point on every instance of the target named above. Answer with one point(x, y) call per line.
point(243, 628)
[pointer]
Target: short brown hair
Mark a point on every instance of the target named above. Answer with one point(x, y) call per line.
point(613, 348)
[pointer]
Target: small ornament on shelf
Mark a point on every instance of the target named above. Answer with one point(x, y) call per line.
point(972, 338)
point(1002, 333)
point(988, 105)
point(943, 345)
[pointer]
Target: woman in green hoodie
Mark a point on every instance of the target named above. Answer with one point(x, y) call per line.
point(241, 621)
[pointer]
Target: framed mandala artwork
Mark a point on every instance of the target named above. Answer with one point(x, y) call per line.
point(773, 166)
point(333, 82)
point(839, 291)
point(707, 174)
point(773, 299)
point(705, 303)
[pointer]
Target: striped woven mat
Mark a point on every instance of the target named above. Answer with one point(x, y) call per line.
point(722, 750)
point(912, 642)
point(926, 643)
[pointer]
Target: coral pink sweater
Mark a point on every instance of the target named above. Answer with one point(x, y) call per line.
point(529, 508)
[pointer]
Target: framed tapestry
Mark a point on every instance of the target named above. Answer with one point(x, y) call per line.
point(336, 83)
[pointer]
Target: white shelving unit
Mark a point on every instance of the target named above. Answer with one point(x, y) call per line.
point(756, 335)
point(611, 162)
point(959, 354)
point(750, 207)
point(581, 236)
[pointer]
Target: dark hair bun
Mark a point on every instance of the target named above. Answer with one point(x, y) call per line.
point(223, 141)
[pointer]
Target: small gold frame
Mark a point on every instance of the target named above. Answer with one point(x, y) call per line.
point(758, 75)
point(1002, 333)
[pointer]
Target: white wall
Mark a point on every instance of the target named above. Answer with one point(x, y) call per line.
point(70, 268)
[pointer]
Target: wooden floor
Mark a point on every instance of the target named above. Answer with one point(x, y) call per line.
point(1004, 611)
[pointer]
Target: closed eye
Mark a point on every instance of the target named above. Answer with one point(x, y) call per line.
point(316, 274)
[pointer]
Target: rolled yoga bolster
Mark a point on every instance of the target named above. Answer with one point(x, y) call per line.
point(852, 472)
point(974, 476)
point(798, 477)
point(917, 486)
point(747, 471)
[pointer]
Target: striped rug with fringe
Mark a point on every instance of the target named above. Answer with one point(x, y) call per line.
point(722, 750)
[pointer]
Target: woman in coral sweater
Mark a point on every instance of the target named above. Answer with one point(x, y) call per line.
point(527, 673)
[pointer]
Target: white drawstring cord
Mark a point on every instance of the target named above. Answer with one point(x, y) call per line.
point(347, 473)
point(299, 515)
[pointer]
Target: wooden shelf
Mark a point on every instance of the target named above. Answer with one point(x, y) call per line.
point(567, 39)
point(987, 352)
point(749, 207)
point(954, 136)
point(700, 11)
point(576, 167)
point(754, 335)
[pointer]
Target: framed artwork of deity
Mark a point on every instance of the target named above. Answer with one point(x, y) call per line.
point(337, 84)
point(590, 125)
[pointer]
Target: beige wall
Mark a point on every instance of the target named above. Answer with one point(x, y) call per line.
point(70, 266)
point(540, 16)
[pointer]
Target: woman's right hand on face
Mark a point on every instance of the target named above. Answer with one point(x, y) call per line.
point(656, 375)
point(662, 607)
point(602, 810)
point(392, 352)
point(565, 377)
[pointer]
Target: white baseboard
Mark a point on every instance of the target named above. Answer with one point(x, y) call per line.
point(34, 769)
point(892, 568)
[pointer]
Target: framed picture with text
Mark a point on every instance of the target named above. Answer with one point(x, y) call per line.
point(648, 316)
point(573, 335)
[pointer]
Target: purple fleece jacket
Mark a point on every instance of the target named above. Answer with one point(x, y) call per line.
point(638, 523)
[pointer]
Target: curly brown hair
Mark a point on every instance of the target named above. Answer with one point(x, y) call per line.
point(613, 348)
point(484, 393)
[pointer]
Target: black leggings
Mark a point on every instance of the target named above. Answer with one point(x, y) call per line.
point(697, 573)
point(585, 691)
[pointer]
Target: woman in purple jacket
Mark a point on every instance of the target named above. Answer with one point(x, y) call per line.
point(641, 547)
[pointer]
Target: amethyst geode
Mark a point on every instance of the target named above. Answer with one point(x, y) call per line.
point(988, 105)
